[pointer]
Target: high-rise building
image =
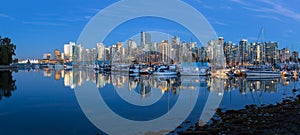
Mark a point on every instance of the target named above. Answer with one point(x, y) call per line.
point(221, 40)
point(272, 52)
point(230, 53)
point(194, 51)
point(100, 51)
point(244, 52)
point(145, 39)
point(47, 56)
point(69, 50)
point(113, 50)
point(295, 56)
point(131, 44)
point(80, 53)
point(163, 48)
point(284, 55)
point(132, 51)
point(216, 55)
point(175, 50)
point(57, 54)
point(258, 55)
point(91, 54)
point(62, 56)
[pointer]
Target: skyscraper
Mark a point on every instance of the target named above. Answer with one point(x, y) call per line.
point(272, 52)
point(164, 51)
point(57, 54)
point(69, 50)
point(284, 55)
point(244, 51)
point(295, 56)
point(145, 39)
point(100, 51)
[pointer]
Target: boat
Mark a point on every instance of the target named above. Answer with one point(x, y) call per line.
point(262, 71)
point(120, 68)
point(165, 71)
point(286, 73)
point(193, 72)
point(145, 69)
point(134, 70)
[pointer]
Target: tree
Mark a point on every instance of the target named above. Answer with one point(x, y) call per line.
point(7, 51)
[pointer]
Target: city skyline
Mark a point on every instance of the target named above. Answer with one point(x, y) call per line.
point(40, 27)
point(241, 53)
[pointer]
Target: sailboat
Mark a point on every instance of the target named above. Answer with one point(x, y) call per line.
point(261, 71)
point(217, 62)
point(169, 70)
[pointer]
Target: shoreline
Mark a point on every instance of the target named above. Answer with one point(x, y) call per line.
point(8, 68)
point(282, 118)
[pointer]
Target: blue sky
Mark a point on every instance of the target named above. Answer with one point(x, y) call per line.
point(37, 27)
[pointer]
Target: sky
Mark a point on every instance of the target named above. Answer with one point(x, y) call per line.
point(38, 27)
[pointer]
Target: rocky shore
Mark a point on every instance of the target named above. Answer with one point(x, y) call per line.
point(282, 118)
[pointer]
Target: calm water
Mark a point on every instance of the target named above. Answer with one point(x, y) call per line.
point(64, 102)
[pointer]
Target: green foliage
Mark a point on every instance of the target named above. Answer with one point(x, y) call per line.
point(7, 51)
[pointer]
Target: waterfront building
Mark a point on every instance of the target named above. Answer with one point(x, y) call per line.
point(131, 50)
point(32, 61)
point(62, 55)
point(91, 54)
point(284, 55)
point(163, 48)
point(100, 51)
point(258, 53)
point(57, 54)
point(295, 56)
point(216, 54)
point(145, 39)
point(47, 56)
point(175, 50)
point(112, 51)
point(107, 54)
point(272, 52)
point(231, 53)
point(79, 53)
point(244, 51)
point(203, 54)
point(194, 51)
point(184, 51)
point(69, 50)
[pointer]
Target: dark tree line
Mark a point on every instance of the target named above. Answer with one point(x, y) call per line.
point(7, 84)
point(7, 51)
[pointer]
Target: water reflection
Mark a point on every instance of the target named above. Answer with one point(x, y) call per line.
point(7, 84)
point(144, 84)
point(144, 98)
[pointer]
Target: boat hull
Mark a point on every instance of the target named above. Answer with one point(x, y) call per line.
point(164, 73)
point(263, 74)
point(192, 74)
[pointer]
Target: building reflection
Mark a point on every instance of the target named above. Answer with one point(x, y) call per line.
point(48, 72)
point(144, 84)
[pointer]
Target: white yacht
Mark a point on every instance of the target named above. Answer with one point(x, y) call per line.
point(196, 71)
point(262, 71)
point(165, 71)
